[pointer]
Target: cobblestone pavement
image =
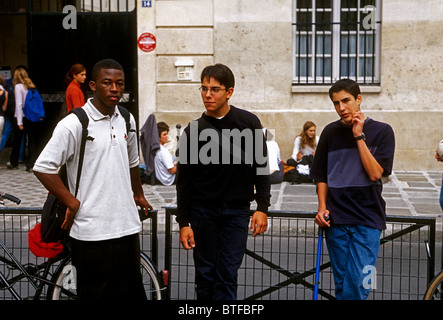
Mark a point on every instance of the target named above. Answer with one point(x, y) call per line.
point(407, 193)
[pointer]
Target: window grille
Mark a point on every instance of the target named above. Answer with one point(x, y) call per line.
point(107, 5)
point(334, 39)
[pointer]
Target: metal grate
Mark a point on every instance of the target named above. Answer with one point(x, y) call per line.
point(335, 39)
point(280, 265)
point(15, 224)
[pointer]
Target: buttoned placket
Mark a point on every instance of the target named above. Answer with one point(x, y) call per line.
point(114, 141)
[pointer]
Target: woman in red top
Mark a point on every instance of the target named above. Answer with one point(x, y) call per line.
point(74, 94)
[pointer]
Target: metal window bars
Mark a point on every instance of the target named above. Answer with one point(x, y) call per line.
point(335, 39)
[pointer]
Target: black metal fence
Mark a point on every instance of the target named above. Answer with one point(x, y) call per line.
point(15, 224)
point(279, 265)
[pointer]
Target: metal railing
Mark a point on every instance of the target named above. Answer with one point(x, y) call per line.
point(15, 223)
point(280, 265)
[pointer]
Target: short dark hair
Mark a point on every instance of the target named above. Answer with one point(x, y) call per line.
point(221, 73)
point(347, 85)
point(104, 64)
point(162, 126)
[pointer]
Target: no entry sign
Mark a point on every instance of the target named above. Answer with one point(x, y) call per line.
point(146, 42)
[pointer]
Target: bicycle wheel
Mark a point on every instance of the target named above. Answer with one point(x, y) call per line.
point(64, 280)
point(151, 278)
point(434, 291)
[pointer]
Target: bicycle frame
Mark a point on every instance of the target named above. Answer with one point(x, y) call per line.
point(24, 273)
point(31, 274)
point(16, 264)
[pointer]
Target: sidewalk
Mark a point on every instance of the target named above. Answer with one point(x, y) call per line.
point(407, 193)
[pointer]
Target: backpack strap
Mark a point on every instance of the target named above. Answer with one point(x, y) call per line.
point(84, 120)
point(125, 113)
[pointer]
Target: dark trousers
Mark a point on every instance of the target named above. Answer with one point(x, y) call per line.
point(220, 234)
point(32, 131)
point(108, 269)
point(16, 143)
point(277, 176)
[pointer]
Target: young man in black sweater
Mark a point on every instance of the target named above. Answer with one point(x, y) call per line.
point(215, 185)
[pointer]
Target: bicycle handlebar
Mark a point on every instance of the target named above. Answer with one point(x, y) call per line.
point(10, 197)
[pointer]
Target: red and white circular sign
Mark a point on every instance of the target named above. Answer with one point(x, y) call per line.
point(147, 42)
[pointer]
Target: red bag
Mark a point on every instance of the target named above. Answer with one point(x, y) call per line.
point(40, 248)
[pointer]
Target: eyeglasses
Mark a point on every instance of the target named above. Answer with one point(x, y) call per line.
point(213, 90)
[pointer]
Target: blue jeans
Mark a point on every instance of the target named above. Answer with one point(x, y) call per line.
point(353, 251)
point(7, 132)
point(220, 234)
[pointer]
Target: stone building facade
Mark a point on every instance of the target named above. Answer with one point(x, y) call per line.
point(256, 40)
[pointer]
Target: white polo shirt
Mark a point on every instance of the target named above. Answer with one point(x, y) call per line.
point(163, 161)
point(108, 209)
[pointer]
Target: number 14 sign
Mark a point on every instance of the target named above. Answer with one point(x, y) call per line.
point(146, 4)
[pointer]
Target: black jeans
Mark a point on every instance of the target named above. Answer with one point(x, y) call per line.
point(108, 269)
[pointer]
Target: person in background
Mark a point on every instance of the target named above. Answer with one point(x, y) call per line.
point(75, 78)
point(276, 166)
point(440, 159)
point(165, 166)
point(24, 128)
point(304, 145)
point(3, 104)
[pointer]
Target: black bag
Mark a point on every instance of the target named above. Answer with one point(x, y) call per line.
point(53, 215)
point(296, 177)
point(54, 211)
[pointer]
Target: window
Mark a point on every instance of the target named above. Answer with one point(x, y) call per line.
point(108, 5)
point(334, 39)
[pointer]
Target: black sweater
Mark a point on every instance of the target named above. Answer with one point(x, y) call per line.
point(205, 177)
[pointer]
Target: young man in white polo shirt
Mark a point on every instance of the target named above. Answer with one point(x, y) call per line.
point(165, 166)
point(103, 220)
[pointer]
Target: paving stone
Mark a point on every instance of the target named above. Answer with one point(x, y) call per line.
point(405, 193)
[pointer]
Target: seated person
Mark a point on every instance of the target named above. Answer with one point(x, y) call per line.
point(276, 166)
point(304, 146)
point(164, 164)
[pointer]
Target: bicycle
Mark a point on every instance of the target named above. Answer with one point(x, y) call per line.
point(55, 279)
point(434, 290)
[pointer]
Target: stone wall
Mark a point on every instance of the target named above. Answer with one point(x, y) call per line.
point(255, 40)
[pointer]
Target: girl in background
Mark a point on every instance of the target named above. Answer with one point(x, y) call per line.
point(24, 128)
point(75, 97)
point(305, 144)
